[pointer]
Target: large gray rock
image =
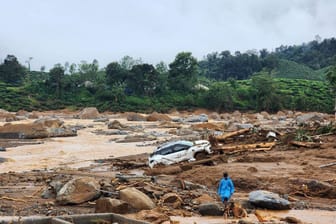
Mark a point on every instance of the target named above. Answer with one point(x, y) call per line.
point(197, 118)
point(136, 199)
point(310, 117)
point(269, 200)
point(108, 205)
point(78, 190)
point(211, 209)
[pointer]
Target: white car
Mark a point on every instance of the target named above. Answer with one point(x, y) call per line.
point(175, 152)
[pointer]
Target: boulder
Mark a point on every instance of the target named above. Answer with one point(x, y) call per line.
point(89, 113)
point(158, 117)
point(172, 200)
point(211, 209)
point(214, 116)
point(78, 190)
point(135, 117)
point(136, 199)
point(23, 131)
point(268, 200)
point(197, 118)
point(108, 205)
point(49, 122)
point(309, 117)
point(116, 125)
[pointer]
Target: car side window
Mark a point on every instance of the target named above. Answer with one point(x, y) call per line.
point(166, 151)
point(179, 148)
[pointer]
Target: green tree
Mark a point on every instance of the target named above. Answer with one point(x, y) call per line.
point(115, 74)
point(11, 71)
point(219, 97)
point(331, 77)
point(162, 69)
point(127, 62)
point(89, 71)
point(183, 72)
point(263, 89)
point(55, 81)
point(143, 79)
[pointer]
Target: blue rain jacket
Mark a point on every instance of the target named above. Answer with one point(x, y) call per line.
point(225, 188)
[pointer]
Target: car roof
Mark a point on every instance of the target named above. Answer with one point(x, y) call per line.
point(182, 142)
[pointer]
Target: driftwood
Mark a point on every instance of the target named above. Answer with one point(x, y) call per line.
point(327, 165)
point(12, 199)
point(127, 178)
point(305, 144)
point(231, 134)
point(247, 147)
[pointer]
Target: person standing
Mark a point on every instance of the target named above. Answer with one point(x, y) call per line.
point(225, 189)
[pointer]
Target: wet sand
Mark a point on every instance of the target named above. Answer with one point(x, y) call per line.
point(72, 152)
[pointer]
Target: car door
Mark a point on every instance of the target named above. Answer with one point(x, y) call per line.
point(180, 152)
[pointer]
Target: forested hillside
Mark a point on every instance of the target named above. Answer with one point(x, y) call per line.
point(292, 77)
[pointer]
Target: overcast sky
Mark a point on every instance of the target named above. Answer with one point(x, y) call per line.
point(56, 31)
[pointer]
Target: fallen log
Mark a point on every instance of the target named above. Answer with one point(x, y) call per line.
point(305, 144)
point(231, 134)
point(254, 147)
point(327, 165)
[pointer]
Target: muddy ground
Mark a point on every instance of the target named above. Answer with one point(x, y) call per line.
point(28, 166)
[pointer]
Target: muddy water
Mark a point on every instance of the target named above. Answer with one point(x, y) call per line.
point(307, 216)
point(73, 152)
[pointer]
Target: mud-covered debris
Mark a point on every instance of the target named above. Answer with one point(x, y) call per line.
point(101, 119)
point(136, 138)
point(117, 125)
point(158, 117)
point(152, 216)
point(291, 220)
point(110, 132)
point(108, 205)
point(50, 122)
point(171, 200)
point(131, 116)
